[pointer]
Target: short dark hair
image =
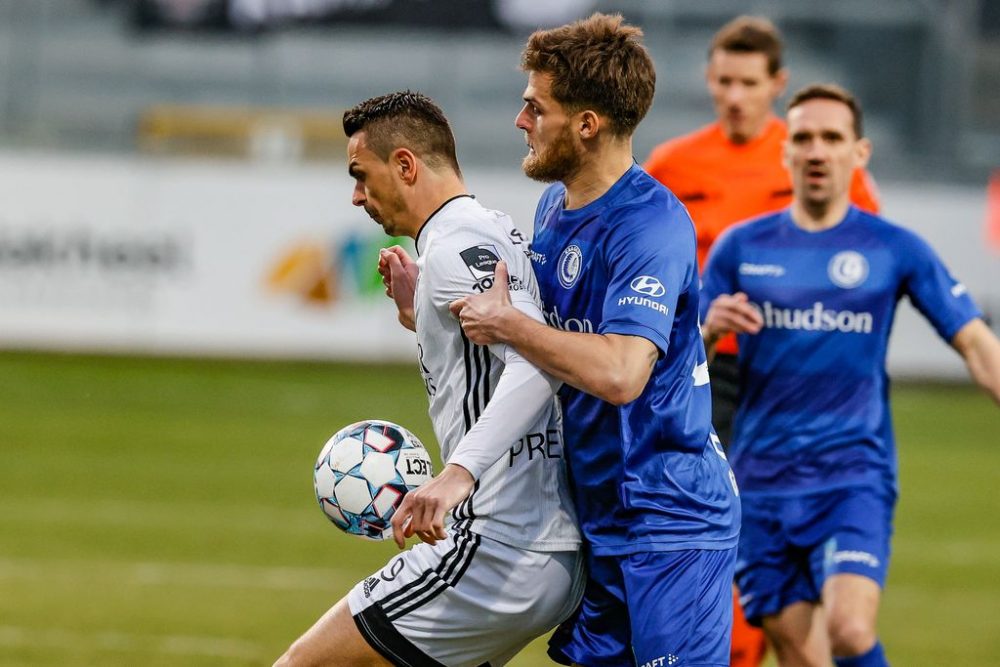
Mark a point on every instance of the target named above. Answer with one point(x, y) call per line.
point(598, 63)
point(750, 34)
point(404, 119)
point(830, 91)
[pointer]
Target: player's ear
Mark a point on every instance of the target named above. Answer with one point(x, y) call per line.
point(786, 154)
point(780, 80)
point(862, 153)
point(589, 124)
point(404, 165)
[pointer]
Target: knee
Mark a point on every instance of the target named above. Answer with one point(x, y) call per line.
point(291, 658)
point(850, 635)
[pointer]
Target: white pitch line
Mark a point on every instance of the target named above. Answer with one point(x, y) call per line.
point(215, 647)
point(198, 575)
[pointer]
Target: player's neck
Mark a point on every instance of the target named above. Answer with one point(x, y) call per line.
point(815, 217)
point(430, 196)
point(752, 135)
point(601, 169)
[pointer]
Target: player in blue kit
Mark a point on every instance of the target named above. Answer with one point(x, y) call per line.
point(812, 291)
point(614, 254)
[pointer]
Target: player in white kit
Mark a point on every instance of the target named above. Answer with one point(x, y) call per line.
point(508, 567)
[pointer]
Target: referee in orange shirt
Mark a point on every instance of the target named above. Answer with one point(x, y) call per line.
point(727, 172)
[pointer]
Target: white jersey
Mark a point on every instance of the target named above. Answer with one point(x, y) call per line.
point(523, 499)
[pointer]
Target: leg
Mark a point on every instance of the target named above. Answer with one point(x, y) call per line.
point(850, 568)
point(333, 640)
point(598, 632)
point(798, 635)
point(680, 606)
point(851, 602)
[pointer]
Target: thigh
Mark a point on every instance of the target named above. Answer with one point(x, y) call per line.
point(467, 600)
point(798, 635)
point(333, 640)
point(598, 633)
point(680, 606)
point(771, 571)
point(851, 530)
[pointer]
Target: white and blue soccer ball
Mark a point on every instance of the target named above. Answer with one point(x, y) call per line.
point(364, 471)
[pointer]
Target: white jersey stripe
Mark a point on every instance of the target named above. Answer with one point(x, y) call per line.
point(700, 374)
point(437, 584)
point(419, 584)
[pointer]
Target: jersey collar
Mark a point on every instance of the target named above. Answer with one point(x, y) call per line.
point(416, 240)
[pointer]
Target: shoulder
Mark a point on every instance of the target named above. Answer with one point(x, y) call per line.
point(905, 244)
point(650, 214)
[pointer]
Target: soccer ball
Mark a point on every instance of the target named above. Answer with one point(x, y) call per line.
point(364, 471)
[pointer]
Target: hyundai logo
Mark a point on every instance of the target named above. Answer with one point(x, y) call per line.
point(649, 286)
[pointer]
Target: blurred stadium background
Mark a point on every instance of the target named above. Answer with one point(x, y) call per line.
point(188, 307)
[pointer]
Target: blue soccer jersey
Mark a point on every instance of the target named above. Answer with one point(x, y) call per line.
point(646, 475)
point(813, 412)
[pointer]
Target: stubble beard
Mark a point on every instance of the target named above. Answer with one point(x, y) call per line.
point(560, 160)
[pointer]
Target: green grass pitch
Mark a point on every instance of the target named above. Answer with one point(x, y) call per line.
point(160, 512)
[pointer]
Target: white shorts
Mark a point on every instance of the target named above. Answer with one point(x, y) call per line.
point(467, 600)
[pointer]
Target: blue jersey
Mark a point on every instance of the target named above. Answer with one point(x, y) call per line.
point(814, 403)
point(646, 475)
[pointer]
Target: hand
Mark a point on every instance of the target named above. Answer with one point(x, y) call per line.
point(399, 275)
point(481, 315)
point(731, 313)
point(422, 511)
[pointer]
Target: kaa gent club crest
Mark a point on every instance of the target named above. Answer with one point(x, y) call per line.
point(569, 265)
point(848, 269)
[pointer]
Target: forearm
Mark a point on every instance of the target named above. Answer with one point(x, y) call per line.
point(980, 349)
point(522, 394)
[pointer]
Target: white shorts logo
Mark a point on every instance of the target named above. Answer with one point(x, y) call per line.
point(569, 265)
point(848, 269)
point(649, 286)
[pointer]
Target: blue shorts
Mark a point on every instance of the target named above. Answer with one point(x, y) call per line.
point(790, 545)
point(679, 611)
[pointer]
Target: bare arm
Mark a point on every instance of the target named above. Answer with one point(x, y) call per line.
point(612, 367)
point(981, 350)
point(729, 313)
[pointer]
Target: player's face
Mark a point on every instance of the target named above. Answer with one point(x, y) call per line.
point(822, 151)
point(375, 187)
point(743, 92)
point(553, 150)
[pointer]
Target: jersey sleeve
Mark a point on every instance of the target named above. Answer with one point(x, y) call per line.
point(463, 263)
point(938, 296)
point(720, 276)
point(522, 393)
point(650, 258)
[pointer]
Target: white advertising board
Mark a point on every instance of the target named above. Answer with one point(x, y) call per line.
point(226, 259)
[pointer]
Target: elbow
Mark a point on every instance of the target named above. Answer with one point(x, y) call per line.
point(620, 389)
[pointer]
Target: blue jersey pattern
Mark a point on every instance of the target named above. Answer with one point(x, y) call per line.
point(646, 475)
point(814, 407)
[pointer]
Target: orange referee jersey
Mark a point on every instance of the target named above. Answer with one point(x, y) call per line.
point(723, 183)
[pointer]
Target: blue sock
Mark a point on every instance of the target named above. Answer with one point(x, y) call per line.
point(875, 657)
